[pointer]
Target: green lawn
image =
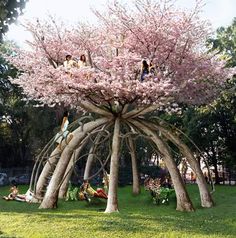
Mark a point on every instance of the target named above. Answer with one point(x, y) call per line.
point(138, 217)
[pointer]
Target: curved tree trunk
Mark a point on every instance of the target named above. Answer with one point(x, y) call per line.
point(112, 202)
point(68, 173)
point(90, 159)
point(136, 185)
point(139, 111)
point(206, 199)
point(46, 173)
point(69, 170)
point(48, 170)
point(51, 196)
point(88, 165)
point(183, 201)
point(88, 106)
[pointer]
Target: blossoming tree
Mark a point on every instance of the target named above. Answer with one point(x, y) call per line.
point(111, 88)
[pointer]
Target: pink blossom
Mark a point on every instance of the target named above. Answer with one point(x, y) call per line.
point(174, 39)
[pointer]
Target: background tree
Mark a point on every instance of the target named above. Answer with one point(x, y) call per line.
point(22, 124)
point(9, 11)
point(213, 127)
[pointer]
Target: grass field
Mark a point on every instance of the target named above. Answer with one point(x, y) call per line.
point(138, 217)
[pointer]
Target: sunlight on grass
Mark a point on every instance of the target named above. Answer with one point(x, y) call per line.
point(138, 217)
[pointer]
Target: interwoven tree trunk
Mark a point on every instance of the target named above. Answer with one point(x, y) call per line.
point(51, 196)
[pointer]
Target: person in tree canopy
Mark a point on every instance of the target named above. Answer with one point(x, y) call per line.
point(69, 62)
point(144, 69)
point(82, 61)
point(152, 68)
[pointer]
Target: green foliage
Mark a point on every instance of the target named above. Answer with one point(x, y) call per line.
point(9, 11)
point(138, 218)
point(24, 129)
point(225, 43)
point(162, 195)
point(213, 127)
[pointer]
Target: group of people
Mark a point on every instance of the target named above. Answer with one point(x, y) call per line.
point(85, 192)
point(146, 68)
point(72, 63)
point(88, 191)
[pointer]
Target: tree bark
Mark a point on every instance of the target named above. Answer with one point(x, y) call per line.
point(112, 202)
point(68, 173)
point(139, 111)
point(88, 166)
point(183, 201)
point(93, 108)
point(136, 185)
point(90, 159)
point(46, 173)
point(206, 199)
point(51, 196)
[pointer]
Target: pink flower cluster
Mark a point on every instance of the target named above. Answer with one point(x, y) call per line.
point(154, 30)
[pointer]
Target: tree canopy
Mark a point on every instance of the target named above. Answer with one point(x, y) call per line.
point(173, 39)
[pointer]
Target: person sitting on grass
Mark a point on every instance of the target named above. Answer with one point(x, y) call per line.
point(14, 195)
point(100, 193)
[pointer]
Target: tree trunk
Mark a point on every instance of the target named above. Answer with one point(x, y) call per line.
point(183, 201)
point(112, 202)
point(90, 159)
point(68, 173)
point(48, 170)
point(46, 173)
point(139, 111)
point(206, 199)
point(136, 185)
point(215, 165)
point(51, 196)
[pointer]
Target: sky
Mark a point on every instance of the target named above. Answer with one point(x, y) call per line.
point(218, 12)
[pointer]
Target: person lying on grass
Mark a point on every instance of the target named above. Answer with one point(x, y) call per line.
point(99, 192)
point(14, 194)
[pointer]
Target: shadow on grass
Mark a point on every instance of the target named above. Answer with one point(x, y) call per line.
point(3, 235)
